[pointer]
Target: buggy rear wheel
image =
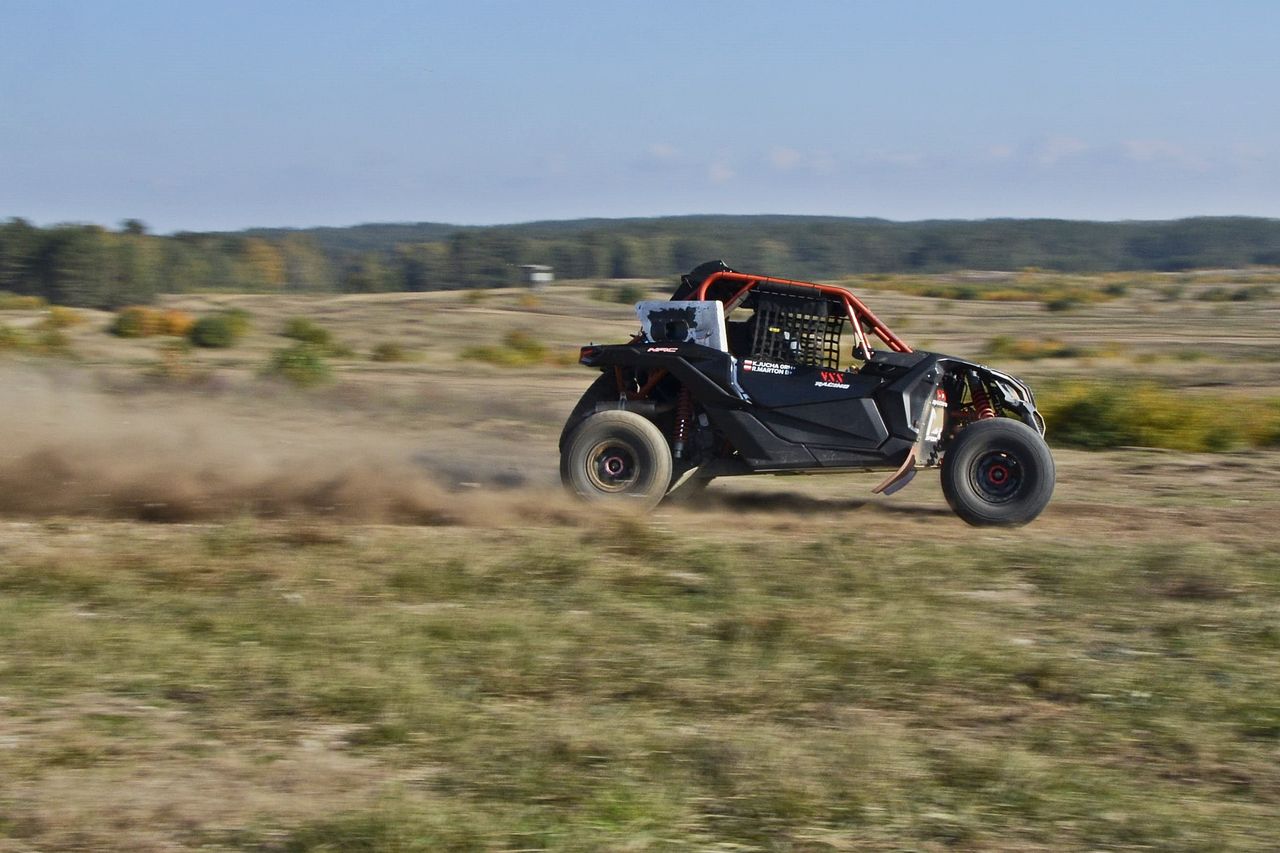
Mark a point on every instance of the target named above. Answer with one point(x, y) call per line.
point(617, 457)
point(998, 472)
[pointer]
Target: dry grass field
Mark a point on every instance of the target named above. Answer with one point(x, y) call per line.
point(237, 614)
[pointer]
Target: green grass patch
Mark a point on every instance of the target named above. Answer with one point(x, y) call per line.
point(42, 340)
point(1249, 293)
point(518, 349)
point(317, 337)
point(302, 364)
point(566, 690)
point(11, 339)
point(625, 293)
point(1055, 292)
point(1003, 346)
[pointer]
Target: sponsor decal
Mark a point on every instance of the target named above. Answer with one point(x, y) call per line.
point(752, 366)
point(663, 349)
point(831, 379)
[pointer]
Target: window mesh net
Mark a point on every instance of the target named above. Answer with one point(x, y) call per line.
point(796, 329)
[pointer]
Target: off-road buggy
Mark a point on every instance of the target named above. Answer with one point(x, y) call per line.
point(746, 374)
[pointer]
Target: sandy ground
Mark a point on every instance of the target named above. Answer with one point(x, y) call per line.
point(440, 439)
point(97, 450)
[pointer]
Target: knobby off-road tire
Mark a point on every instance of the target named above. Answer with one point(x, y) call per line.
point(604, 389)
point(998, 472)
point(617, 457)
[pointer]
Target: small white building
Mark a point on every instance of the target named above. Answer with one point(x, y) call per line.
point(537, 276)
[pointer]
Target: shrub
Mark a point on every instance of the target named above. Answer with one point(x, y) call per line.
point(216, 331)
point(1170, 419)
point(627, 293)
point(493, 355)
point(525, 344)
point(1003, 346)
point(136, 321)
point(1262, 425)
point(518, 349)
point(302, 364)
point(47, 341)
point(1214, 294)
point(140, 321)
point(52, 342)
point(1240, 294)
point(1008, 295)
point(302, 329)
point(176, 323)
point(1095, 416)
point(1248, 294)
point(15, 302)
point(239, 320)
point(1056, 292)
point(1063, 303)
point(389, 352)
point(61, 317)
point(11, 338)
point(1091, 417)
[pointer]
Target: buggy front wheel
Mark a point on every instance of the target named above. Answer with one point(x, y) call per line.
point(998, 472)
point(617, 457)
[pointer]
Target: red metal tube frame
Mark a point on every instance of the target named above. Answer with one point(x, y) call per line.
point(858, 312)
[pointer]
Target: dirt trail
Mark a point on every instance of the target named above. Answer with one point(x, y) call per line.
point(462, 446)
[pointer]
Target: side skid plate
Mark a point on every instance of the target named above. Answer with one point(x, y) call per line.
point(900, 478)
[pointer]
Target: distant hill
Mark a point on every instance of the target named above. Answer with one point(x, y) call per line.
point(90, 265)
point(832, 245)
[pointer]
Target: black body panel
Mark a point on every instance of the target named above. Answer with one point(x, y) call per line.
point(812, 406)
point(781, 417)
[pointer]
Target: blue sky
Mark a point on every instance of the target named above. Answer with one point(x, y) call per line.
point(237, 114)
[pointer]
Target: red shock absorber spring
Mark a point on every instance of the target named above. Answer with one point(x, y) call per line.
point(981, 399)
point(684, 420)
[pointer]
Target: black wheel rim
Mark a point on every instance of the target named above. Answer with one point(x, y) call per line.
point(612, 466)
point(997, 476)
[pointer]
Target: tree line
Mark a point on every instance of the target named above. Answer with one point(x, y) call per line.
point(93, 266)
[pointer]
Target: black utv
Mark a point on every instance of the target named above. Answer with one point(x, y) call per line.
point(748, 374)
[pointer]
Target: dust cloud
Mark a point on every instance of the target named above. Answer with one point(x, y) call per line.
point(70, 447)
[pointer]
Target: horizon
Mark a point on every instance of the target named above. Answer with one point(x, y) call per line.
point(324, 115)
point(118, 226)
